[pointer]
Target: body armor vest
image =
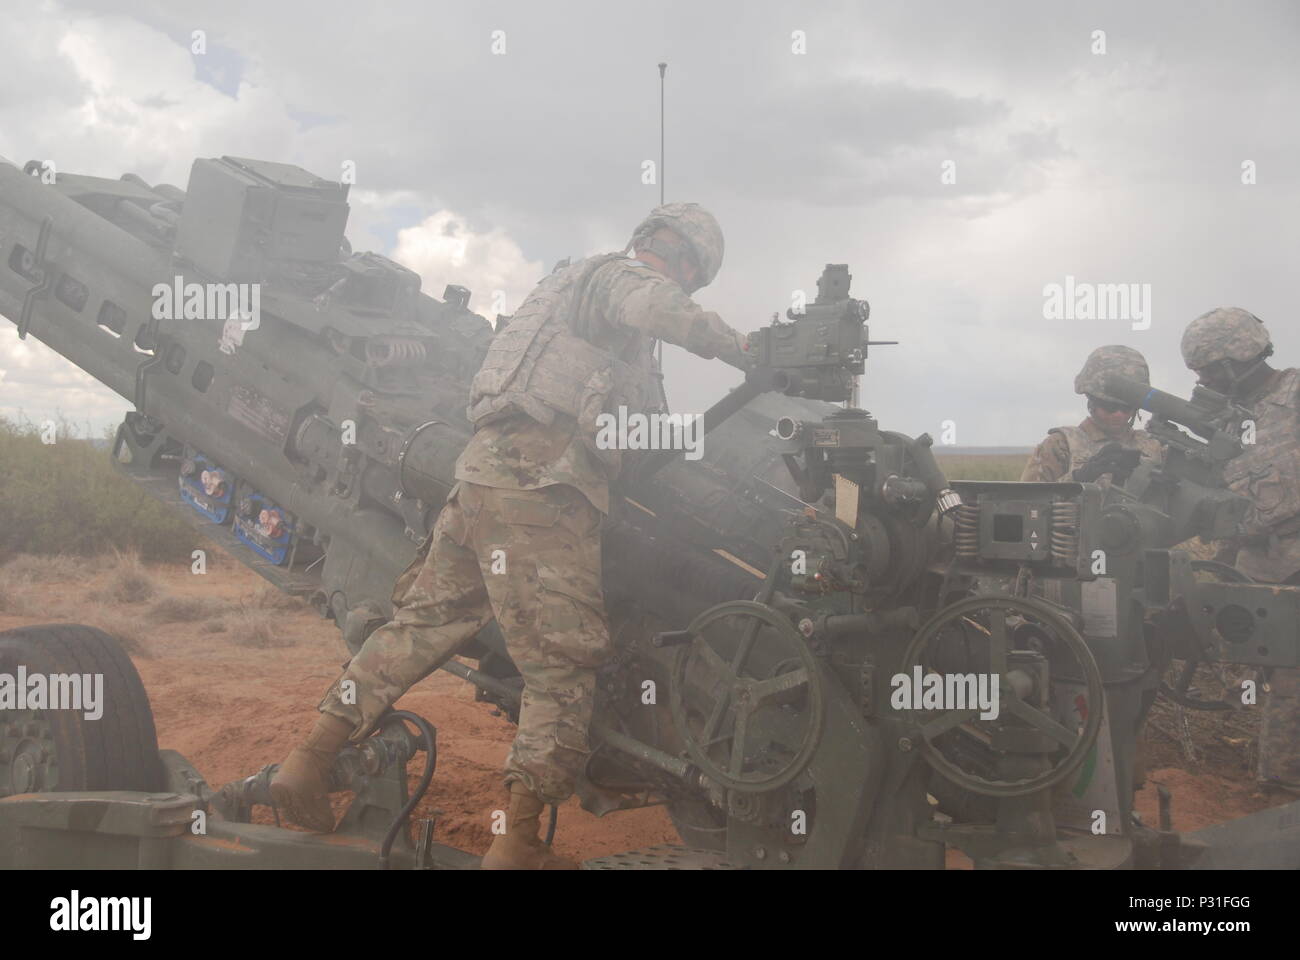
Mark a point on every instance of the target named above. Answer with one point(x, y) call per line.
point(545, 363)
point(1083, 448)
point(1268, 470)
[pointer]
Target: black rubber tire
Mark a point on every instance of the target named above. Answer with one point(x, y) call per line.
point(117, 751)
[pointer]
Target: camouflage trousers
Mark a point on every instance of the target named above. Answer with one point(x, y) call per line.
point(531, 558)
point(1279, 724)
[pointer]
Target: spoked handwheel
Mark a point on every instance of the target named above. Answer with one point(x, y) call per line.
point(984, 622)
point(1184, 673)
point(747, 697)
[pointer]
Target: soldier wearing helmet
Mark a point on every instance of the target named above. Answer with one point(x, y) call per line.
point(1109, 422)
point(519, 536)
point(1228, 348)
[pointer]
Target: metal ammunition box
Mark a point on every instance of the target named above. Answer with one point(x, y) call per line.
point(240, 215)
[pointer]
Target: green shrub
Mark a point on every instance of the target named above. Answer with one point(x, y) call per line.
point(978, 466)
point(66, 498)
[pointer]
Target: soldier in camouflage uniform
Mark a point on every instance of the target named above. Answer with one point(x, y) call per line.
point(1109, 421)
point(1227, 348)
point(519, 536)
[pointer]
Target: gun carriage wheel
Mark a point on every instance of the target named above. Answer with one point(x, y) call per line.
point(747, 697)
point(985, 631)
point(62, 749)
point(1177, 688)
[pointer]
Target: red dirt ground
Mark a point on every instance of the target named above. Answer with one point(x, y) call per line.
point(230, 709)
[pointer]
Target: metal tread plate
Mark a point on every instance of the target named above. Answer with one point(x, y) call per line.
point(664, 856)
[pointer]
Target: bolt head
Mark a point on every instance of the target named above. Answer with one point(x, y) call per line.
point(904, 744)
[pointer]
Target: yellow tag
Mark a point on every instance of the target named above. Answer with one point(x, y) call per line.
point(846, 501)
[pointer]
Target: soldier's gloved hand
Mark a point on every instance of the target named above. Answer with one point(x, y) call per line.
point(1114, 459)
point(734, 351)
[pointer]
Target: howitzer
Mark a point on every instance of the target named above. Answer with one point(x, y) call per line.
point(1199, 437)
point(303, 406)
point(1219, 616)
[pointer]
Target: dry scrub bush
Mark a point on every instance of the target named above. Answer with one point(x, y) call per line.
point(16, 598)
point(49, 568)
point(128, 581)
point(130, 631)
point(180, 609)
point(257, 629)
point(272, 598)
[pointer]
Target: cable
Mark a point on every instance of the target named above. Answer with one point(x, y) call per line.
point(431, 760)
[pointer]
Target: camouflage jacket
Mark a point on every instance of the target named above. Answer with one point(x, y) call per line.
point(625, 304)
point(1268, 473)
point(1068, 448)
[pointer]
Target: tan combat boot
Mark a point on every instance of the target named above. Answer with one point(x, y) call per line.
point(301, 785)
point(520, 847)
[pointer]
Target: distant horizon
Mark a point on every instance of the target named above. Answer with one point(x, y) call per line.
point(991, 451)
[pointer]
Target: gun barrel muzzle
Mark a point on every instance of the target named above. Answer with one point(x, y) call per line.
point(1161, 404)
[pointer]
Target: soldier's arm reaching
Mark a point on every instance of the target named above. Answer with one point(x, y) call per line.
point(660, 308)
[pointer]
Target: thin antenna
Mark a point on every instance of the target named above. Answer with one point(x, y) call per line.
point(659, 346)
point(663, 67)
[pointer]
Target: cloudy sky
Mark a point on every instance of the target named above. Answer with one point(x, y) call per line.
point(815, 132)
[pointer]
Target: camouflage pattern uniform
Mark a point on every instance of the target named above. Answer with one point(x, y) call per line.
point(1068, 448)
point(519, 537)
point(1268, 474)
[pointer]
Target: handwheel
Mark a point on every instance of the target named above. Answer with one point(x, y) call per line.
point(1177, 690)
point(988, 617)
point(744, 710)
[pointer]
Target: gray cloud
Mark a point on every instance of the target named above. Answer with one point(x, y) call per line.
point(1115, 168)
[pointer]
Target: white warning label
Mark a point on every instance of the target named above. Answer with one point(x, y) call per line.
point(1100, 611)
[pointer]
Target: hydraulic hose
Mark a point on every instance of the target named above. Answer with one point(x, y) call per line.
point(431, 761)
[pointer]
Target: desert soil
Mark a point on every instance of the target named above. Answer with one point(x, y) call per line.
point(230, 708)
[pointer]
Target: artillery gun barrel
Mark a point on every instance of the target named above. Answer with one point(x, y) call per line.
point(118, 268)
point(345, 405)
point(1141, 396)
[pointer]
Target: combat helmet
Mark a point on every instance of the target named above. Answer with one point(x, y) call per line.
point(1225, 333)
point(1113, 360)
point(693, 224)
